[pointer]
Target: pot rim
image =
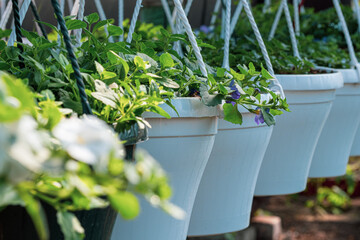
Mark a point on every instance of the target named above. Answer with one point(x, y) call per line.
point(350, 75)
point(187, 107)
point(310, 82)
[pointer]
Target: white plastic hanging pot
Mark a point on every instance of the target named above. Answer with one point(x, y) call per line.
point(182, 145)
point(224, 199)
point(287, 160)
point(334, 146)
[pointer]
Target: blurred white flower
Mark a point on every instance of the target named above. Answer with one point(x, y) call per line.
point(23, 149)
point(31, 145)
point(89, 140)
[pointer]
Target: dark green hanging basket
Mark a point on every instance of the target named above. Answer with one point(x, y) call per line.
point(16, 224)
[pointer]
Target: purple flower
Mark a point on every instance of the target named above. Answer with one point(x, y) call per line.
point(259, 118)
point(205, 29)
point(235, 94)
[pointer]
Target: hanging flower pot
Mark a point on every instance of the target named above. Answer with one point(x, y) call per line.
point(287, 160)
point(182, 145)
point(334, 146)
point(224, 199)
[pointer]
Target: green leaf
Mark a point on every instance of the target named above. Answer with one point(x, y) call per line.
point(116, 59)
point(232, 114)
point(268, 118)
point(115, 30)
point(55, 29)
point(252, 70)
point(139, 62)
point(126, 204)
point(100, 24)
point(36, 213)
point(275, 112)
point(236, 75)
point(167, 82)
point(73, 24)
point(12, 52)
point(92, 18)
point(223, 90)
point(165, 33)
point(210, 100)
point(166, 60)
point(108, 75)
point(159, 110)
point(70, 226)
point(220, 72)
point(266, 74)
point(51, 113)
point(99, 68)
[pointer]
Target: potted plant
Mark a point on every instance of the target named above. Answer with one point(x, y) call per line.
point(340, 128)
point(224, 199)
point(310, 93)
point(60, 171)
point(212, 90)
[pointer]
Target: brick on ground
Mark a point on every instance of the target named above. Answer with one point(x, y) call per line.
point(267, 227)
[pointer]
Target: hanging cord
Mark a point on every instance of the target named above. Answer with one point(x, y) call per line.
point(72, 57)
point(167, 11)
point(23, 10)
point(187, 10)
point(275, 83)
point(181, 14)
point(354, 61)
point(37, 17)
point(284, 7)
point(223, 12)
point(81, 12)
point(17, 22)
point(62, 6)
point(70, 4)
point(6, 15)
point(18, 30)
point(226, 63)
point(134, 20)
point(2, 6)
point(215, 13)
point(291, 29)
point(188, 7)
point(296, 17)
point(102, 17)
point(276, 21)
point(357, 11)
point(174, 13)
point(75, 9)
point(267, 4)
point(121, 18)
point(235, 18)
point(177, 44)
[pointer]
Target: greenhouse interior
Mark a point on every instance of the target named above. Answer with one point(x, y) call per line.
point(179, 120)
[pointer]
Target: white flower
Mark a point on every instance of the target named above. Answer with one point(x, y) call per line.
point(23, 149)
point(30, 148)
point(88, 140)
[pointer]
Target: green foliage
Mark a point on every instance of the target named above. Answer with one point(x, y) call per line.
point(332, 199)
point(37, 166)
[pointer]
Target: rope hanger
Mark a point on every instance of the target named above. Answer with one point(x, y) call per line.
point(354, 61)
point(275, 84)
